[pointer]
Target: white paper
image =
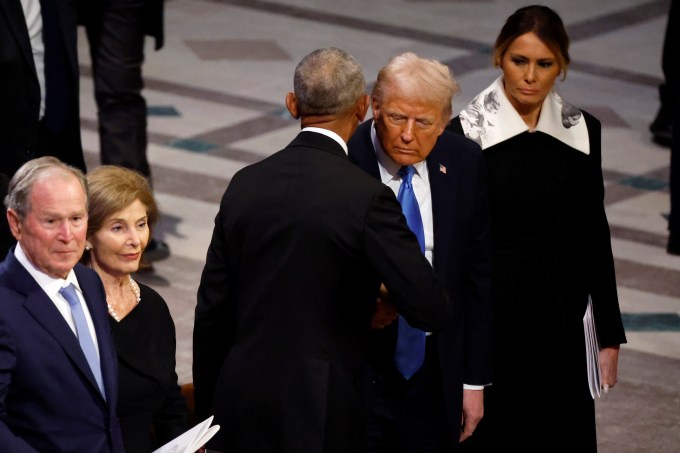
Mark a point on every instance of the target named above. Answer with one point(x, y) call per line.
point(192, 440)
point(592, 351)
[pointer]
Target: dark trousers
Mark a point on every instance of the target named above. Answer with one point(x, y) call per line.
point(116, 36)
point(409, 416)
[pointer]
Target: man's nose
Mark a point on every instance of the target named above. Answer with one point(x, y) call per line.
point(407, 132)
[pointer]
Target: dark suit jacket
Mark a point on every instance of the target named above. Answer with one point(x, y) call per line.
point(6, 238)
point(20, 91)
point(301, 243)
point(461, 260)
point(49, 400)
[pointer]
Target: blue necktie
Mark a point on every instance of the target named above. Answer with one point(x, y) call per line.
point(83, 334)
point(410, 350)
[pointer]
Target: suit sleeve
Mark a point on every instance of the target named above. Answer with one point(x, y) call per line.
point(394, 252)
point(213, 323)
point(9, 441)
point(607, 313)
point(476, 286)
point(172, 418)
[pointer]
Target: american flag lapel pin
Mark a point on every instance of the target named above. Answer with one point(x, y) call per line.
point(442, 168)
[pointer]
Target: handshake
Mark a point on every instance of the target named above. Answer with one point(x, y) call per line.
point(385, 313)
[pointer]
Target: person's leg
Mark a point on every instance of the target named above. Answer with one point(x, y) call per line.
point(670, 67)
point(673, 246)
point(662, 126)
point(117, 48)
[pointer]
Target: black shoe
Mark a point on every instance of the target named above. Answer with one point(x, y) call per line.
point(673, 245)
point(156, 250)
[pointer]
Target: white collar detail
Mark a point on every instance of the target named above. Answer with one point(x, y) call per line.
point(491, 119)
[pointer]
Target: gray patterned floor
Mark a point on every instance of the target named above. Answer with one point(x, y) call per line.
point(215, 95)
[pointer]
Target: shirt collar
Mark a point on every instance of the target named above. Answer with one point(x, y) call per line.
point(491, 119)
point(327, 133)
point(49, 284)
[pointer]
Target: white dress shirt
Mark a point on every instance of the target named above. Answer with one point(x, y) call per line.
point(51, 287)
point(33, 15)
point(389, 175)
point(421, 186)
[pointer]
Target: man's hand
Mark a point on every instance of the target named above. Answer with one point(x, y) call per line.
point(609, 363)
point(385, 313)
point(473, 411)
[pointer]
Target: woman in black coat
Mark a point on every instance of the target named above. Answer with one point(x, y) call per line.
point(552, 256)
point(151, 408)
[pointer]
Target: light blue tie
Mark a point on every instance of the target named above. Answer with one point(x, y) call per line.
point(83, 334)
point(409, 353)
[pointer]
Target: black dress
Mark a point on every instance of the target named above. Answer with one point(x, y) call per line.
point(551, 249)
point(151, 408)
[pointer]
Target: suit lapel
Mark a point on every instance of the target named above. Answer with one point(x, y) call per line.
point(42, 309)
point(16, 22)
point(442, 193)
point(361, 151)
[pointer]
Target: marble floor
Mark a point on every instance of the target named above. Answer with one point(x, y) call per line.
point(215, 99)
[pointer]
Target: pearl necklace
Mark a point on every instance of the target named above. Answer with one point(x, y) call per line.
point(134, 287)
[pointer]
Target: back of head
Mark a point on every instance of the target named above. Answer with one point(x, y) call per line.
point(328, 81)
point(20, 186)
point(544, 23)
point(417, 78)
point(112, 189)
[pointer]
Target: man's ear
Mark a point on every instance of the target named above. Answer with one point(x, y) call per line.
point(292, 105)
point(362, 107)
point(375, 106)
point(14, 223)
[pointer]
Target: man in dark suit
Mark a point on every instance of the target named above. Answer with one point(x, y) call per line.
point(39, 112)
point(58, 368)
point(301, 243)
point(411, 103)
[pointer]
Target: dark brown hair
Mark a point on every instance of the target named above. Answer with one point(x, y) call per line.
point(544, 23)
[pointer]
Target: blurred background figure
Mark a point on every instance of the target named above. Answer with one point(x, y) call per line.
point(116, 30)
point(662, 126)
point(122, 210)
point(551, 245)
point(665, 126)
point(6, 238)
point(39, 111)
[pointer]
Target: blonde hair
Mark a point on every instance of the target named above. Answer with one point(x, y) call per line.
point(419, 77)
point(114, 188)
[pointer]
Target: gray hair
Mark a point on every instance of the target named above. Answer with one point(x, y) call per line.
point(19, 192)
point(418, 78)
point(328, 81)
